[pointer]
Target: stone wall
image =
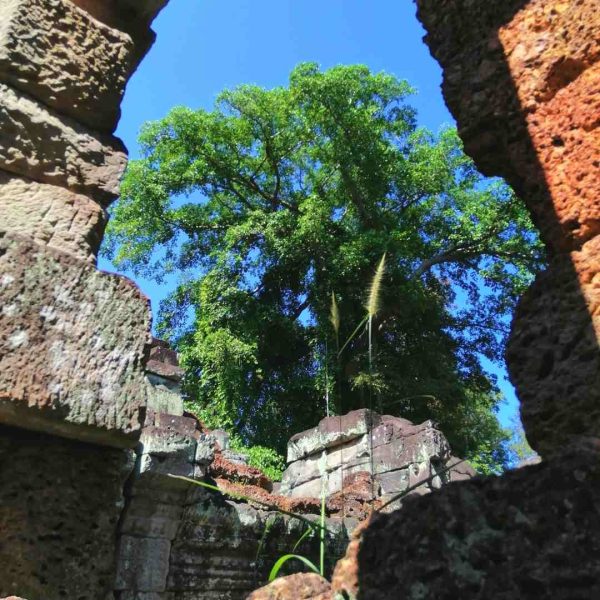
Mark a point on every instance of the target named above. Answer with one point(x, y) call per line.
point(73, 341)
point(181, 541)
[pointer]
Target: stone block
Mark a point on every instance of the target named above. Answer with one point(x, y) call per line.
point(51, 215)
point(60, 504)
point(58, 53)
point(331, 432)
point(145, 517)
point(394, 482)
point(167, 446)
point(38, 143)
point(205, 450)
point(461, 470)
point(143, 564)
point(163, 400)
point(72, 343)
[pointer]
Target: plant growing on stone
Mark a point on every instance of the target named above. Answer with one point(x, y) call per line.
point(276, 197)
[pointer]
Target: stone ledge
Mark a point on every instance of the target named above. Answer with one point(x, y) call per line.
point(72, 344)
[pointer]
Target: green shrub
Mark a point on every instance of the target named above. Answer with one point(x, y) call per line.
point(270, 462)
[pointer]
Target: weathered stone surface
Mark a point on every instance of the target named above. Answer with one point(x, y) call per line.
point(398, 453)
point(58, 53)
point(148, 518)
point(72, 341)
point(216, 553)
point(163, 361)
point(300, 586)
point(330, 432)
point(51, 215)
point(37, 143)
point(553, 353)
point(143, 564)
point(163, 399)
point(60, 502)
point(523, 81)
point(552, 51)
point(532, 533)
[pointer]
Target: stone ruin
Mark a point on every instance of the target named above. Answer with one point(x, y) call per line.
point(390, 454)
point(91, 420)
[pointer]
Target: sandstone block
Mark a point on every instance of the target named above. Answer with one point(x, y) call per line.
point(330, 432)
point(58, 53)
point(143, 564)
point(163, 400)
point(144, 517)
point(300, 586)
point(72, 343)
point(37, 143)
point(51, 215)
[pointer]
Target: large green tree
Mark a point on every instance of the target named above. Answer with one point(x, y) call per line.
point(277, 199)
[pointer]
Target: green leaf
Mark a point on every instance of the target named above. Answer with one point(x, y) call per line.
point(283, 559)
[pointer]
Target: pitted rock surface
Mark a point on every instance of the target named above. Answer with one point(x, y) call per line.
point(301, 586)
point(72, 342)
point(523, 81)
point(52, 216)
point(60, 502)
point(58, 53)
point(554, 359)
point(530, 534)
point(38, 143)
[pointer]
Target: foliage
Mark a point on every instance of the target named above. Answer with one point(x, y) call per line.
point(270, 462)
point(278, 198)
point(519, 450)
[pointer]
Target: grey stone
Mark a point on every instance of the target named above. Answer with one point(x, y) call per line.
point(163, 400)
point(144, 517)
point(143, 564)
point(330, 432)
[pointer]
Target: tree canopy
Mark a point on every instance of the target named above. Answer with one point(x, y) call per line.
point(277, 199)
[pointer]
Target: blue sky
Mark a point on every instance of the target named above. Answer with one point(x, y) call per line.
point(205, 46)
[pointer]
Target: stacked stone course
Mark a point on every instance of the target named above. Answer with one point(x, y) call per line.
point(73, 341)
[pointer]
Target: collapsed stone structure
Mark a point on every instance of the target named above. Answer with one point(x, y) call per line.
point(394, 454)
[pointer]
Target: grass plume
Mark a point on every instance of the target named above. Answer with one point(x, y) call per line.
point(334, 314)
point(373, 305)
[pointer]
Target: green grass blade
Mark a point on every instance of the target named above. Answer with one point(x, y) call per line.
point(308, 531)
point(322, 537)
point(277, 566)
point(353, 334)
